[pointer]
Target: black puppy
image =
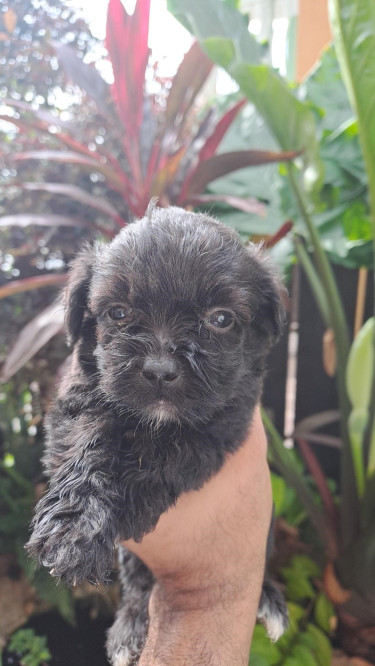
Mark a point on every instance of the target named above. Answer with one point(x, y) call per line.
point(171, 323)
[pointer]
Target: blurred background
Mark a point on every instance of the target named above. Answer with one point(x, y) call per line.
point(260, 112)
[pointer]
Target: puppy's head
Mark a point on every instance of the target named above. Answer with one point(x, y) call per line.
point(183, 313)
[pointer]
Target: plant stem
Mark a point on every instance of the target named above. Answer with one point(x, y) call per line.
point(349, 504)
point(286, 465)
point(314, 280)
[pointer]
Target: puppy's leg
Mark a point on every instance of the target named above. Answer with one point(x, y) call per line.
point(75, 523)
point(272, 612)
point(127, 636)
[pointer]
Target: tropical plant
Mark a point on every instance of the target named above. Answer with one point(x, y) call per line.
point(312, 621)
point(31, 649)
point(346, 531)
point(164, 149)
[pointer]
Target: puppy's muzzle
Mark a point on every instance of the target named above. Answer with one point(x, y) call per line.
point(160, 371)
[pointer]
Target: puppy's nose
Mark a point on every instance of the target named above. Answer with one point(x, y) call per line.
point(161, 370)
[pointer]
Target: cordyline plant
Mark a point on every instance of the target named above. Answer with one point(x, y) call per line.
point(347, 531)
point(165, 151)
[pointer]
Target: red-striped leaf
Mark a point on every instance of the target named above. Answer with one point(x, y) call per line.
point(220, 165)
point(26, 220)
point(318, 475)
point(248, 205)
point(167, 172)
point(78, 194)
point(221, 128)
point(71, 157)
point(24, 125)
point(44, 116)
point(32, 338)
point(188, 81)
point(30, 284)
point(127, 44)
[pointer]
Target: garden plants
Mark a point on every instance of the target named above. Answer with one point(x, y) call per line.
point(346, 531)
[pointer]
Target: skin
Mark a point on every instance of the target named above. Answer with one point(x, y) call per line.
point(208, 556)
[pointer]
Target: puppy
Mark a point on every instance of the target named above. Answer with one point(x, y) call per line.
point(170, 325)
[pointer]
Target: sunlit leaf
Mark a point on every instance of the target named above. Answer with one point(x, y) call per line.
point(247, 205)
point(127, 44)
point(84, 75)
point(26, 220)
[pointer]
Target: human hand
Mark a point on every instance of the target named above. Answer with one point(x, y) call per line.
point(207, 554)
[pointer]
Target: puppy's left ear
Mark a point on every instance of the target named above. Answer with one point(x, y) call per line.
point(77, 292)
point(270, 316)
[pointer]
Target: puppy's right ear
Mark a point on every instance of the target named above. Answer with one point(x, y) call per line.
point(77, 291)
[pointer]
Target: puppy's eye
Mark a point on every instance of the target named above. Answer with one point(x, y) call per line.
point(118, 313)
point(220, 319)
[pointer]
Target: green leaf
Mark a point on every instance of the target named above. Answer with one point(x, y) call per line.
point(324, 613)
point(278, 492)
point(325, 89)
point(224, 36)
point(297, 577)
point(262, 649)
point(360, 367)
point(353, 25)
point(322, 646)
point(304, 656)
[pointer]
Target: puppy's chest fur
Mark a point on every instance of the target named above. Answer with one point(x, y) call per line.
point(146, 469)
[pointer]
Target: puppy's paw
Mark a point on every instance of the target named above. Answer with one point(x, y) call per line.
point(272, 612)
point(72, 551)
point(126, 638)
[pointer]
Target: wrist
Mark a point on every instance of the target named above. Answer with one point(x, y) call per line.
point(199, 627)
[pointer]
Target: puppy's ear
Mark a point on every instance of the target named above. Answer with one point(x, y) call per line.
point(77, 291)
point(270, 316)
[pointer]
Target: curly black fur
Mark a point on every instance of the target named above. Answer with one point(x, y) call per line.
point(123, 444)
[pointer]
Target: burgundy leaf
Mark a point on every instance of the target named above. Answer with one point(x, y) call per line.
point(281, 233)
point(32, 338)
point(78, 194)
point(318, 475)
point(316, 421)
point(24, 125)
point(127, 44)
point(166, 173)
point(220, 165)
point(84, 75)
point(221, 128)
point(44, 116)
point(248, 205)
point(31, 283)
point(189, 79)
point(26, 220)
point(71, 157)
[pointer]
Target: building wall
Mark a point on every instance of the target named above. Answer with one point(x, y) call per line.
point(313, 34)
